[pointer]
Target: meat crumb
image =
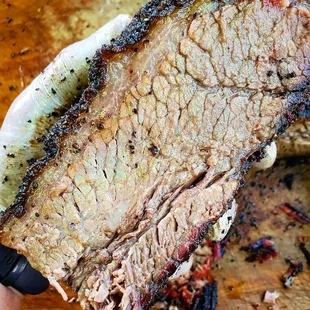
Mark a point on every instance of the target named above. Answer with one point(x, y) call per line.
point(58, 287)
point(262, 250)
point(270, 297)
point(24, 50)
point(297, 215)
point(294, 269)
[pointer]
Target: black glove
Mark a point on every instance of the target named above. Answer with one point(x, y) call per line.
point(15, 271)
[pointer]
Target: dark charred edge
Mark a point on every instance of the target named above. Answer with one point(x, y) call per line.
point(209, 298)
point(98, 74)
point(298, 103)
point(197, 237)
point(132, 35)
point(305, 113)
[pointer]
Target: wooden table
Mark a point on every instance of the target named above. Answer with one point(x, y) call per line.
point(32, 32)
point(260, 200)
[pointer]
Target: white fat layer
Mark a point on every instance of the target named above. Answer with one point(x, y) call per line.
point(53, 89)
point(184, 268)
point(38, 98)
point(269, 159)
point(220, 229)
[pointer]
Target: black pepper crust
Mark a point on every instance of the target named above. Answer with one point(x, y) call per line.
point(305, 113)
point(68, 123)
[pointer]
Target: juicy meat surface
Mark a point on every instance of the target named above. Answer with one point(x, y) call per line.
point(156, 149)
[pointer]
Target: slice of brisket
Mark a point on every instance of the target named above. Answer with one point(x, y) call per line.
point(156, 149)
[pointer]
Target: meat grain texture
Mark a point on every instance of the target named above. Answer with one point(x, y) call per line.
point(156, 149)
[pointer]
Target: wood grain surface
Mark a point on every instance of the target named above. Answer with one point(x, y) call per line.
point(242, 285)
point(32, 32)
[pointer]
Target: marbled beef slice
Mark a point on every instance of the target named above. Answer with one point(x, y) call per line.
point(155, 151)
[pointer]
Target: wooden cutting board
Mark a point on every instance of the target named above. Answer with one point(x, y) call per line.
point(32, 32)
